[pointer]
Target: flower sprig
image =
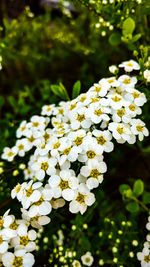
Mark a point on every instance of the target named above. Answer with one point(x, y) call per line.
point(68, 144)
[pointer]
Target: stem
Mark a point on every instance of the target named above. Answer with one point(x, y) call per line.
point(140, 203)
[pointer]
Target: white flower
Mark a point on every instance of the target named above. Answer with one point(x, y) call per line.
point(122, 115)
point(77, 137)
point(138, 98)
point(25, 241)
point(43, 166)
point(40, 208)
point(68, 151)
point(32, 193)
point(127, 83)
point(138, 128)
point(120, 131)
point(47, 110)
point(129, 65)
point(144, 257)
point(37, 221)
point(113, 82)
point(64, 184)
point(133, 110)
point(37, 123)
point(96, 113)
point(9, 153)
point(103, 140)
point(87, 259)
point(90, 150)
point(101, 87)
point(94, 171)
point(18, 258)
point(3, 243)
point(22, 130)
point(22, 146)
point(116, 101)
point(113, 69)
point(147, 75)
point(82, 199)
point(79, 119)
point(76, 263)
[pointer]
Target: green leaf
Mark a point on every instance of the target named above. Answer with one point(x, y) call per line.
point(76, 89)
point(115, 38)
point(138, 187)
point(64, 92)
point(128, 26)
point(132, 207)
point(123, 188)
point(146, 198)
point(136, 37)
point(60, 91)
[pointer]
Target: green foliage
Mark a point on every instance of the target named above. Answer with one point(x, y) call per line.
point(60, 91)
point(76, 89)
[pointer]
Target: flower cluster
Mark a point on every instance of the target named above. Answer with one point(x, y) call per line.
point(16, 234)
point(69, 142)
point(144, 256)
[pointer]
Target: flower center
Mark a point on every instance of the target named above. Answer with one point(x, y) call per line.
point(95, 99)
point(132, 107)
point(17, 188)
point(98, 89)
point(56, 145)
point(1, 240)
point(116, 99)
point(120, 130)
point(111, 80)
point(44, 166)
point(1, 223)
point(63, 185)
point(126, 81)
point(48, 109)
point(39, 202)
point(21, 147)
point(31, 139)
point(80, 198)
point(10, 154)
point(98, 112)
point(72, 106)
point(147, 258)
point(24, 240)
point(135, 95)
point(46, 136)
point(66, 151)
point(35, 124)
point(34, 219)
point(91, 154)
point(82, 99)
point(17, 262)
point(13, 226)
point(130, 64)
point(139, 128)
point(81, 117)
point(78, 141)
point(61, 111)
point(94, 173)
point(87, 260)
point(120, 112)
point(23, 128)
point(101, 140)
point(29, 192)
